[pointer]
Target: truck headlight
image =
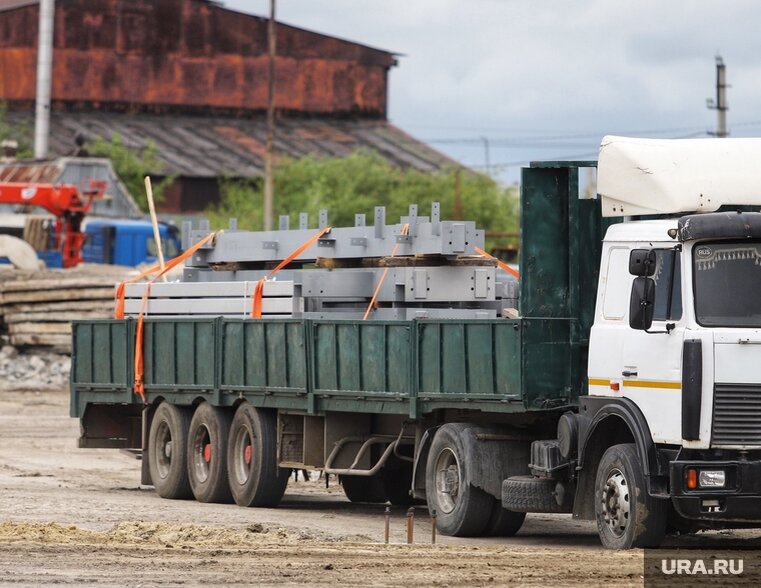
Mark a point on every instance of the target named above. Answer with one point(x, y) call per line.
point(712, 479)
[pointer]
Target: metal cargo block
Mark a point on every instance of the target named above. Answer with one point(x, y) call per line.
point(447, 284)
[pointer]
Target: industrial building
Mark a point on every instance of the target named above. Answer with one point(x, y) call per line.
point(191, 77)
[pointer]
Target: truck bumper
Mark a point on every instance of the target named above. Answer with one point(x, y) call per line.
point(738, 501)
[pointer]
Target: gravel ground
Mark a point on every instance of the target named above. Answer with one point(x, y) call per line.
point(40, 370)
point(73, 516)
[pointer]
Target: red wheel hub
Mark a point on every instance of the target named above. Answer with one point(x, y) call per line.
point(247, 454)
point(207, 452)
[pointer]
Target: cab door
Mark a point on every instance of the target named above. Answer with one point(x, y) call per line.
point(611, 322)
point(651, 361)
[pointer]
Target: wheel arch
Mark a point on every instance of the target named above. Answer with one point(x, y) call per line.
point(613, 422)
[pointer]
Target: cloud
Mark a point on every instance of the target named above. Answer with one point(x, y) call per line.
point(500, 68)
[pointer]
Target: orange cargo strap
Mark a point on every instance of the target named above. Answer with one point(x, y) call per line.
point(119, 311)
point(257, 300)
point(503, 266)
point(371, 306)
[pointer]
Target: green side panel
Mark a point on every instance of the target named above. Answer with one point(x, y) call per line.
point(325, 356)
point(546, 363)
point(362, 358)
point(296, 355)
point(102, 354)
point(546, 195)
point(101, 363)
point(473, 360)
point(561, 246)
point(373, 344)
point(167, 345)
point(263, 355)
point(187, 374)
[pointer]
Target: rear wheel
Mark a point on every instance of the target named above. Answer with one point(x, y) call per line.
point(254, 477)
point(503, 522)
point(461, 509)
point(627, 516)
point(396, 477)
point(207, 453)
point(167, 440)
point(363, 488)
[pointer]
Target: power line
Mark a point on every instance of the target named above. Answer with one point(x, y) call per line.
point(520, 141)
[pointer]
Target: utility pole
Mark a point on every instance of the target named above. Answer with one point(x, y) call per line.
point(485, 141)
point(44, 78)
point(269, 183)
point(720, 105)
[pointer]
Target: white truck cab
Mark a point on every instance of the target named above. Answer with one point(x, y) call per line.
point(675, 349)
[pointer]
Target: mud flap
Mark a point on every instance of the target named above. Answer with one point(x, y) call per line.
point(418, 470)
point(493, 456)
point(145, 469)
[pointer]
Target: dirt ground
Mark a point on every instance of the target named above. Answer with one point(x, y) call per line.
point(80, 517)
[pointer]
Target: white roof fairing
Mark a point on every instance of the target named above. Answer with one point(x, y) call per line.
point(669, 176)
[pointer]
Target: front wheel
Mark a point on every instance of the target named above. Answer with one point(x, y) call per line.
point(627, 516)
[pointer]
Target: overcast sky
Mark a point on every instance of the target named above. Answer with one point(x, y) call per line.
point(547, 79)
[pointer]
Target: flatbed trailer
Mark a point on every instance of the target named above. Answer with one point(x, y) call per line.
point(327, 383)
point(484, 418)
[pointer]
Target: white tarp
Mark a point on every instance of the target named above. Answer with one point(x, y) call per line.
point(666, 176)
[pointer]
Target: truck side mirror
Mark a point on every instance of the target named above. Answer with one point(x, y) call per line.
point(642, 304)
point(642, 262)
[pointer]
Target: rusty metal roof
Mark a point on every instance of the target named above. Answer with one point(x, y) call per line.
point(11, 4)
point(194, 146)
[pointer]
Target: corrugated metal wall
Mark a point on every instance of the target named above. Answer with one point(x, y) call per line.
point(186, 55)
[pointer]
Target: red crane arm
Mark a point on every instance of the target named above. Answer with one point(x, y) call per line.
point(57, 199)
point(65, 202)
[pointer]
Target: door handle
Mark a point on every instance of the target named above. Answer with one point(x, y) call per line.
point(629, 374)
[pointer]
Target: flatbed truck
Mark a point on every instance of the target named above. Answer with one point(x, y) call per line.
point(625, 388)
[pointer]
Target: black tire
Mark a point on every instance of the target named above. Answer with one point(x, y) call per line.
point(396, 480)
point(530, 494)
point(462, 510)
point(207, 453)
point(254, 477)
point(627, 516)
point(167, 446)
point(503, 522)
point(363, 488)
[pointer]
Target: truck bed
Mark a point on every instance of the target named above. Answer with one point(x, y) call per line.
point(396, 367)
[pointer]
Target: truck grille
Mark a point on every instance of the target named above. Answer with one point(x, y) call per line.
point(736, 414)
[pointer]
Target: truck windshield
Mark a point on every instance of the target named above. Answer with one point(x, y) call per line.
point(727, 277)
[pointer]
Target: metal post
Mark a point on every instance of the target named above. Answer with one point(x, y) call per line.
point(433, 527)
point(269, 184)
point(387, 517)
point(410, 524)
point(457, 212)
point(44, 78)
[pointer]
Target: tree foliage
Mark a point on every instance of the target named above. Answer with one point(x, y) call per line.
point(358, 183)
point(132, 165)
point(20, 132)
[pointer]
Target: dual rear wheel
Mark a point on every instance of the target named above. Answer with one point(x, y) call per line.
point(215, 456)
point(462, 509)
